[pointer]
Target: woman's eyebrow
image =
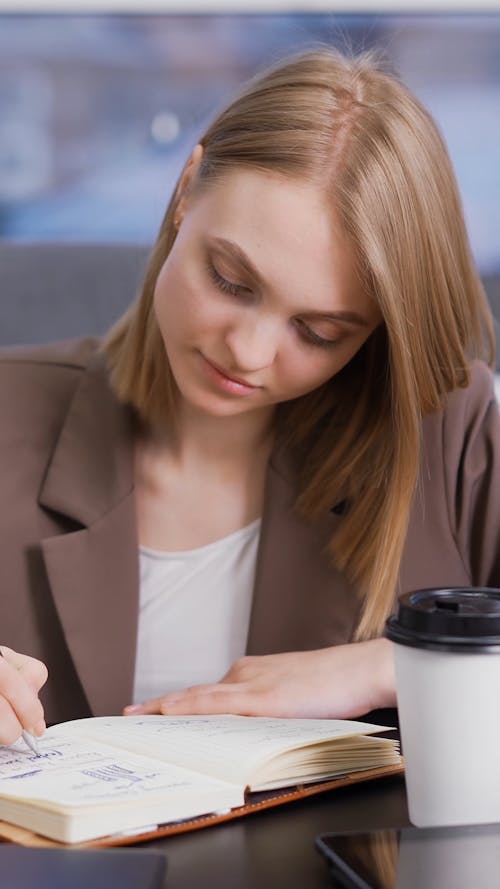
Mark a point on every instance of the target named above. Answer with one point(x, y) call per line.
point(235, 251)
point(345, 316)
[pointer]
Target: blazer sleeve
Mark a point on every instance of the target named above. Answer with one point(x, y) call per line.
point(471, 454)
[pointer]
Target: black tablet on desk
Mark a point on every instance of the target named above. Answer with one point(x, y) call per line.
point(23, 868)
point(414, 858)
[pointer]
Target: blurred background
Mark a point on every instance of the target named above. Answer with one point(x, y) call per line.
point(99, 111)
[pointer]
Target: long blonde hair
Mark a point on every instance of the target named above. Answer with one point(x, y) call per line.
point(347, 125)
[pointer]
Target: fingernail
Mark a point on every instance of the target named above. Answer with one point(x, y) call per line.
point(133, 708)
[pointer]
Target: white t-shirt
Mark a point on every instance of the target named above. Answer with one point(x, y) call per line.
point(194, 612)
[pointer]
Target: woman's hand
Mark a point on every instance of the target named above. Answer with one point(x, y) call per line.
point(340, 682)
point(21, 678)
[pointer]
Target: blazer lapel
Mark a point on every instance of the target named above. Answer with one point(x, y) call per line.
point(300, 600)
point(93, 567)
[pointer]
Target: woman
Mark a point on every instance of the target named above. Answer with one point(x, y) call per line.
point(293, 424)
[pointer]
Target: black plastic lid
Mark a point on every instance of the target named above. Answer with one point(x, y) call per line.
point(455, 619)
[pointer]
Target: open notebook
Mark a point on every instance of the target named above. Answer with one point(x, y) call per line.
point(119, 777)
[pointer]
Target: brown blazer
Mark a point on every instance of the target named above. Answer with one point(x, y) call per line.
point(68, 541)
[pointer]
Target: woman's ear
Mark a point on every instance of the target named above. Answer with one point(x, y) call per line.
point(188, 175)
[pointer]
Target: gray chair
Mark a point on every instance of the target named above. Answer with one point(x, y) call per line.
point(52, 291)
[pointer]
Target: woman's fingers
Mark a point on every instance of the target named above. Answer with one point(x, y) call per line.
point(156, 705)
point(21, 677)
point(244, 698)
point(223, 699)
point(10, 727)
point(33, 671)
point(204, 704)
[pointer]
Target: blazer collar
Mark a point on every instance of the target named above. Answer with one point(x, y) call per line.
point(91, 466)
point(93, 570)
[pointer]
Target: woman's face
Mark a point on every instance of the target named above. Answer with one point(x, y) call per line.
point(259, 301)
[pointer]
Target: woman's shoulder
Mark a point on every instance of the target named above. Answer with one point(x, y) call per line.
point(38, 381)
point(481, 387)
point(469, 403)
point(68, 354)
point(467, 426)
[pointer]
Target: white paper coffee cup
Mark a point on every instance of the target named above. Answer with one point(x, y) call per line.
point(447, 660)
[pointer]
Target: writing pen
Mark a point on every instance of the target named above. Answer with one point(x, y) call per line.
point(28, 738)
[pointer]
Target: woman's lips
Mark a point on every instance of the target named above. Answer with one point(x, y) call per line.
point(223, 381)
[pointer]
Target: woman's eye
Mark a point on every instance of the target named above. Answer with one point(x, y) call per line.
point(224, 284)
point(309, 336)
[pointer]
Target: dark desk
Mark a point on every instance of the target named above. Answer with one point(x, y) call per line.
point(275, 849)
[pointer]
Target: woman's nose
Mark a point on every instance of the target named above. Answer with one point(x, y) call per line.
point(253, 343)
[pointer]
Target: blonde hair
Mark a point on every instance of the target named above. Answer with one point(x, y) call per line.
point(347, 125)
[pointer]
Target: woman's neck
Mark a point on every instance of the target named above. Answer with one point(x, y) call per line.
point(227, 440)
point(214, 461)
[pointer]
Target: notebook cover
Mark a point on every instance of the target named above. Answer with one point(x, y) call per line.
point(62, 868)
point(255, 803)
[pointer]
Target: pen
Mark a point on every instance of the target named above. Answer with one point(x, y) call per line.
point(31, 742)
point(28, 738)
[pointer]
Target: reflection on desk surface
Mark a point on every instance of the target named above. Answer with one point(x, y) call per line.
point(414, 858)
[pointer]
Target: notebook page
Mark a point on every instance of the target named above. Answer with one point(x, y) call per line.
point(73, 772)
point(228, 747)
